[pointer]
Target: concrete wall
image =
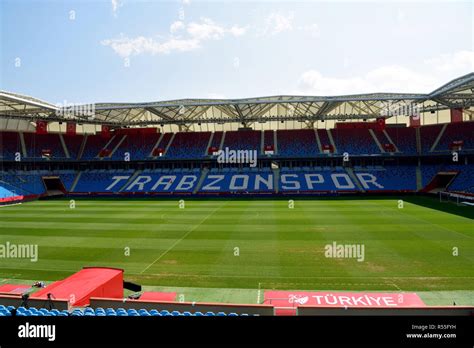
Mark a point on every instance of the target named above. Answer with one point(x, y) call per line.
point(182, 307)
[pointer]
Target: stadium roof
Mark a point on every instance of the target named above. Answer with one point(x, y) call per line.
point(458, 93)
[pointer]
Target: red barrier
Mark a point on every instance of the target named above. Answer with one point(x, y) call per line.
point(87, 283)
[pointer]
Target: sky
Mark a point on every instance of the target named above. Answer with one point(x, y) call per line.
point(85, 51)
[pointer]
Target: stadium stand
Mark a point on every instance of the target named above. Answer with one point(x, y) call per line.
point(216, 140)
point(354, 141)
point(463, 131)
point(163, 143)
point(297, 146)
point(6, 311)
point(7, 191)
point(428, 135)
point(73, 145)
point(102, 180)
point(462, 182)
point(9, 145)
point(138, 146)
point(188, 145)
point(159, 181)
point(324, 138)
point(26, 182)
point(94, 144)
point(37, 144)
point(243, 140)
point(389, 178)
point(230, 180)
point(268, 138)
point(308, 179)
point(404, 139)
point(297, 143)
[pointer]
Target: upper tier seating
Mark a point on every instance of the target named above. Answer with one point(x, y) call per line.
point(189, 145)
point(138, 146)
point(164, 141)
point(73, 144)
point(404, 139)
point(323, 137)
point(216, 139)
point(354, 141)
point(428, 135)
point(297, 143)
point(9, 145)
point(268, 139)
point(36, 143)
point(243, 140)
point(94, 144)
point(457, 131)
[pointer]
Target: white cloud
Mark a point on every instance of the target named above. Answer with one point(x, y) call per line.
point(237, 31)
point(391, 78)
point(205, 30)
point(276, 23)
point(460, 62)
point(116, 4)
point(312, 29)
point(176, 26)
point(126, 47)
point(191, 38)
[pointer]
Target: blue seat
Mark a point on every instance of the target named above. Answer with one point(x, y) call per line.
point(209, 314)
point(175, 313)
point(187, 314)
point(198, 314)
point(221, 314)
point(233, 315)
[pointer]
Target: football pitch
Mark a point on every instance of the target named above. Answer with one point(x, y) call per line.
point(232, 249)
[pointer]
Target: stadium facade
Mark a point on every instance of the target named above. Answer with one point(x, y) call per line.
point(46, 149)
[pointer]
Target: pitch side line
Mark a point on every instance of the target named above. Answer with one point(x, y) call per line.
point(179, 240)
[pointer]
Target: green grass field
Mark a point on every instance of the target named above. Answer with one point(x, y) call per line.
point(194, 249)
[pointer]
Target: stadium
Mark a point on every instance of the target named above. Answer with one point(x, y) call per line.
point(244, 172)
point(281, 205)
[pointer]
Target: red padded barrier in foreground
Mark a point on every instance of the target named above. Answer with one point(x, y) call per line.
point(87, 283)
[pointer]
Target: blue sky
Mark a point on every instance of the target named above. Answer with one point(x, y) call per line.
point(131, 51)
